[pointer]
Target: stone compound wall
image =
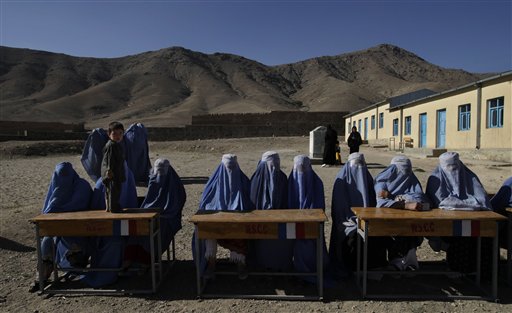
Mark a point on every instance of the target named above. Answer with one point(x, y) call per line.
point(211, 126)
point(23, 130)
point(279, 123)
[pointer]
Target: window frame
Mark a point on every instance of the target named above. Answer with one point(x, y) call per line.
point(395, 127)
point(372, 122)
point(497, 110)
point(464, 116)
point(381, 119)
point(408, 124)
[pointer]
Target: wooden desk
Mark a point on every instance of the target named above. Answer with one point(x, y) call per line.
point(261, 224)
point(99, 223)
point(437, 222)
point(509, 247)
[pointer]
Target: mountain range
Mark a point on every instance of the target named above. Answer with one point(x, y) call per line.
point(167, 87)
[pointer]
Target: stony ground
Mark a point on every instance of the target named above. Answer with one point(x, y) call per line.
point(26, 168)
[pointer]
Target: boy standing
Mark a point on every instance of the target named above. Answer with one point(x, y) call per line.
point(112, 166)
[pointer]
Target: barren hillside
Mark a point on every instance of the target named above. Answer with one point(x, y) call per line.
point(168, 86)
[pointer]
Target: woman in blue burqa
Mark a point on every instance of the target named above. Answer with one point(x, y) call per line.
point(165, 191)
point(397, 187)
point(226, 190)
point(107, 252)
point(353, 187)
point(269, 190)
point(67, 193)
point(453, 186)
point(306, 191)
point(502, 200)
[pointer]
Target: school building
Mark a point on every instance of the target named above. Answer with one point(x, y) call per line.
point(476, 115)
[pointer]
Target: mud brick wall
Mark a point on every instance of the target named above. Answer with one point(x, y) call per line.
point(243, 125)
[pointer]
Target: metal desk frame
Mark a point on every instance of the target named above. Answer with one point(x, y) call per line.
point(240, 222)
point(509, 247)
point(390, 217)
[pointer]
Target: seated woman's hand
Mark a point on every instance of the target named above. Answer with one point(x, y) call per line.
point(384, 194)
point(413, 206)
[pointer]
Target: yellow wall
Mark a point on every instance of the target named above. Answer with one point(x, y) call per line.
point(454, 138)
point(497, 137)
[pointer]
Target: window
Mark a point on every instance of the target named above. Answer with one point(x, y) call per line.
point(495, 113)
point(354, 124)
point(373, 122)
point(348, 128)
point(381, 120)
point(395, 127)
point(359, 125)
point(464, 117)
point(407, 125)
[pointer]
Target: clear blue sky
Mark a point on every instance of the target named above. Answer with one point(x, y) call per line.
point(474, 35)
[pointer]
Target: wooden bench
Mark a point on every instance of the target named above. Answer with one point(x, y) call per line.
point(407, 142)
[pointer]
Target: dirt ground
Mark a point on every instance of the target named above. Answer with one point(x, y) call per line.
point(26, 168)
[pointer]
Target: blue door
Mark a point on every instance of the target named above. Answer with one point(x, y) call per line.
point(365, 128)
point(441, 128)
point(423, 130)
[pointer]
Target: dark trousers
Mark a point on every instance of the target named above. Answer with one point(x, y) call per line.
point(114, 196)
point(354, 149)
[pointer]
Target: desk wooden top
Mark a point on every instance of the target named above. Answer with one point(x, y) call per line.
point(434, 214)
point(92, 215)
point(260, 216)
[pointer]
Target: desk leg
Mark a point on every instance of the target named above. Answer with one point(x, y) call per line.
point(319, 260)
point(478, 260)
point(198, 262)
point(495, 258)
point(159, 249)
point(365, 258)
point(358, 259)
point(509, 249)
point(152, 251)
point(39, 260)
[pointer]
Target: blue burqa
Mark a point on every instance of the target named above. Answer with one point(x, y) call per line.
point(501, 201)
point(165, 191)
point(92, 154)
point(353, 187)
point(67, 193)
point(503, 198)
point(269, 190)
point(128, 198)
point(453, 186)
point(305, 191)
point(226, 190)
point(401, 183)
point(136, 152)
point(403, 186)
point(107, 252)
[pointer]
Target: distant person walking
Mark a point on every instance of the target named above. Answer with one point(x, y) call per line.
point(331, 137)
point(354, 140)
